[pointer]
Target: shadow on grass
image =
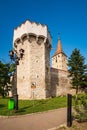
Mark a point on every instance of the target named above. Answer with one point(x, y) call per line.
point(21, 110)
point(2, 105)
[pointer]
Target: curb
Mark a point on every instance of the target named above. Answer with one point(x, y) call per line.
point(17, 116)
point(57, 127)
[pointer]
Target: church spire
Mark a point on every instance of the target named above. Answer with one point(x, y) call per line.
point(59, 59)
point(59, 46)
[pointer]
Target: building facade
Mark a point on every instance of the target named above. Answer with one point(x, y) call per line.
point(35, 78)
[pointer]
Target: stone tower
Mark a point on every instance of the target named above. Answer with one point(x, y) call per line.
point(59, 59)
point(33, 71)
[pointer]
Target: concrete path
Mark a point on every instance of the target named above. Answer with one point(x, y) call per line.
point(38, 121)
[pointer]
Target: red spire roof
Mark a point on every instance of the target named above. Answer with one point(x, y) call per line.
point(59, 48)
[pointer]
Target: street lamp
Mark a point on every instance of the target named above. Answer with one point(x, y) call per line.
point(14, 56)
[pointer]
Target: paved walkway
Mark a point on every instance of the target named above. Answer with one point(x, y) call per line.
point(38, 121)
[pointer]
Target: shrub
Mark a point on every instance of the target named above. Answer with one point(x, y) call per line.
point(81, 108)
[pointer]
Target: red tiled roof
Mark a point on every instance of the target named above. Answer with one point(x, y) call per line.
point(59, 48)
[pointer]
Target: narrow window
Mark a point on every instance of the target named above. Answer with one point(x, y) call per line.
point(56, 59)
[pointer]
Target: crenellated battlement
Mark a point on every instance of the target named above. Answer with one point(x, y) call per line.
point(28, 28)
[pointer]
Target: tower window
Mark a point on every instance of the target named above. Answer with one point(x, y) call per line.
point(56, 59)
point(37, 76)
point(36, 60)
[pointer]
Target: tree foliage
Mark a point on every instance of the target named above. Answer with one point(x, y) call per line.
point(5, 73)
point(77, 69)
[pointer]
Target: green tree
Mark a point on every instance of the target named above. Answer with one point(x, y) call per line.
point(77, 69)
point(5, 73)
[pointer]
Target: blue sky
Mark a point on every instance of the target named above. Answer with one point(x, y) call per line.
point(67, 17)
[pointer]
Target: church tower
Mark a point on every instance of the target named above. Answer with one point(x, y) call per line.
point(59, 59)
point(33, 71)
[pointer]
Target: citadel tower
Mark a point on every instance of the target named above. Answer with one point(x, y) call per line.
point(34, 68)
point(59, 59)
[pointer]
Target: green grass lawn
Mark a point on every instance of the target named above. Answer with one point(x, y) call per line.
point(30, 106)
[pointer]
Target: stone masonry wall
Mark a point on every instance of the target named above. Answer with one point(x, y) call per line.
point(47, 69)
point(23, 71)
point(60, 83)
point(37, 67)
point(33, 68)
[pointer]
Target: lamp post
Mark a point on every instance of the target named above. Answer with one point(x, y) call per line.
point(14, 56)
